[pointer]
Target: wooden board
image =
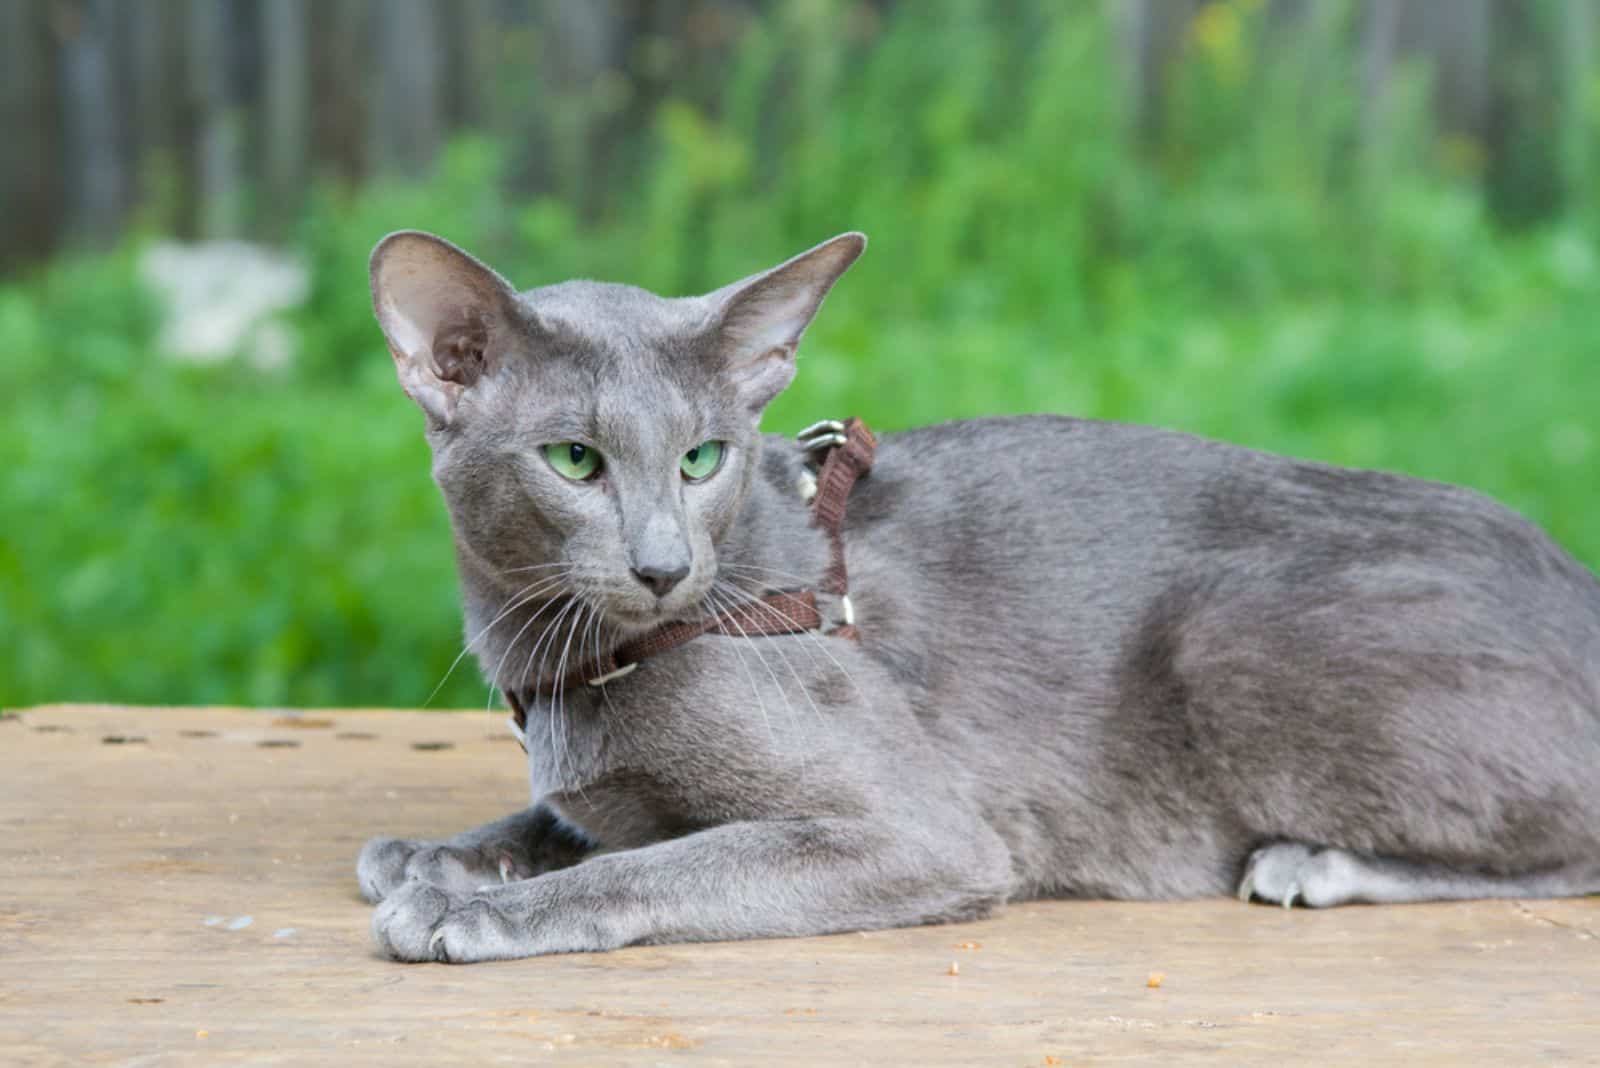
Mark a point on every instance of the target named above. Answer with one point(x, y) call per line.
point(186, 895)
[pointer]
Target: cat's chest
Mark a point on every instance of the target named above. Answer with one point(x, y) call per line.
point(626, 794)
point(687, 743)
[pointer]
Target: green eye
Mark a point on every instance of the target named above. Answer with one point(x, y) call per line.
point(571, 460)
point(700, 461)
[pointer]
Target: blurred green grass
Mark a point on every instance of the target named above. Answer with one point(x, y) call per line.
point(196, 535)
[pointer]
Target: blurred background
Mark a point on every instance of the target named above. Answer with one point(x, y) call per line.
point(1360, 232)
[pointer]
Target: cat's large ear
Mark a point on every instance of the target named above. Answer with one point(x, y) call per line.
point(444, 314)
point(758, 322)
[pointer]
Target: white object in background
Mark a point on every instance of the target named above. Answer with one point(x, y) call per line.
point(223, 299)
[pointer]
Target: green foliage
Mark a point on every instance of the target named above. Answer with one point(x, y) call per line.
point(186, 534)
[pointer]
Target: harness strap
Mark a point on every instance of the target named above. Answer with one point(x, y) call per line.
point(845, 463)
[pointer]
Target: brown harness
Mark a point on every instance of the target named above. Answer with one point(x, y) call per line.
point(845, 452)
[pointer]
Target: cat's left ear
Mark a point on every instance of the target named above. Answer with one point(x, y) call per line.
point(758, 322)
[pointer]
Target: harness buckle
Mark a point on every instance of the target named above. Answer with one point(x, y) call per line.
point(828, 434)
point(613, 676)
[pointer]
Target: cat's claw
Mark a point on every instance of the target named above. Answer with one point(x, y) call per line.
point(388, 863)
point(407, 924)
point(509, 873)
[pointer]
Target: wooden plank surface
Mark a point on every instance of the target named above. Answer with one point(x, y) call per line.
point(176, 886)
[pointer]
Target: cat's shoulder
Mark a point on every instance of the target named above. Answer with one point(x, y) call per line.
point(1004, 461)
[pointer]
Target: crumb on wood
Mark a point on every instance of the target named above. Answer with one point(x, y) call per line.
point(1155, 979)
point(955, 969)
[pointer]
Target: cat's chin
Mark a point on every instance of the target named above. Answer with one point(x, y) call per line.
point(631, 624)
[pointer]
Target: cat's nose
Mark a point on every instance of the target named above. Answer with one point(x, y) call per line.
point(661, 580)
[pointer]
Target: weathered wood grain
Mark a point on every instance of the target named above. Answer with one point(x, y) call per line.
point(117, 854)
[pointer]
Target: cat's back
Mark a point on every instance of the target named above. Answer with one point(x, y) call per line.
point(1035, 464)
point(1046, 533)
point(987, 549)
point(991, 498)
point(990, 489)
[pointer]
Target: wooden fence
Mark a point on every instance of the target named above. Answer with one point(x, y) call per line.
point(213, 115)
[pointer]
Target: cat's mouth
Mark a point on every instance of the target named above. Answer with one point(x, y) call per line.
point(633, 621)
point(629, 620)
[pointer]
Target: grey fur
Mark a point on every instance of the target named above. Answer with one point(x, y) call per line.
point(1097, 660)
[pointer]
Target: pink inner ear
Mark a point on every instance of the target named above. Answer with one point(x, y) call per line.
point(756, 365)
point(763, 378)
point(460, 348)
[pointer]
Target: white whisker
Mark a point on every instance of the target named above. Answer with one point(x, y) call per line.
point(599, 655)
point(757, 570)
point(552, 635)
point(819, 642)
point(550, 632)
point(533, 591)
point(559, 703)
point(494, 677)
point(754, 688)
point(727, 608)
point(778, 647)
point(534, 567)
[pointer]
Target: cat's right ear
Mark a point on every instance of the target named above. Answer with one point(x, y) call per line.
point(445, 315)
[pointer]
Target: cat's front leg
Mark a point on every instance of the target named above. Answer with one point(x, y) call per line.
point(520, 846)
point(740, 880)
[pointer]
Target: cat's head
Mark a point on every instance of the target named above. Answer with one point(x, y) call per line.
point(595, 438)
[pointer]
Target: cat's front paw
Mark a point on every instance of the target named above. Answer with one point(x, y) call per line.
point(386, 864)
point(382, 866)
point(403, 926)
point(419, 922)
point(1292, 873)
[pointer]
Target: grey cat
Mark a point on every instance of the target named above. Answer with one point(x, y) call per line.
point(1094, 660)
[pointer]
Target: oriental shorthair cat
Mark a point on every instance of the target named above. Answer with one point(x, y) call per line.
point(769, 687)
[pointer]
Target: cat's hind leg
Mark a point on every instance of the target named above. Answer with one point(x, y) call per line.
point(1294, 873)
point(519, 846)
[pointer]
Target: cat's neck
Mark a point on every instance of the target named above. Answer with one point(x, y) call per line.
point(774, 544)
